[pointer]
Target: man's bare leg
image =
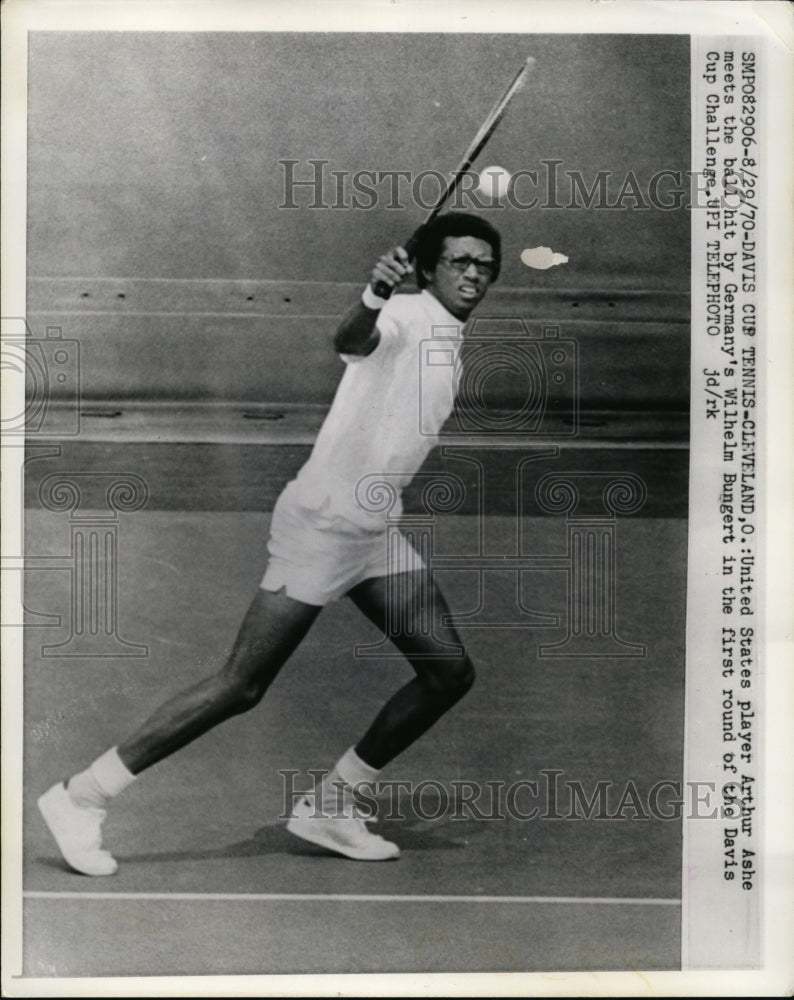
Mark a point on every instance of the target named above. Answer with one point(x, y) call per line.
point(441, 678)
point(272, 628)
point(270, 632)
point(443, 675)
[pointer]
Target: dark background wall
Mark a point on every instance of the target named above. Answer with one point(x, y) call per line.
point(156, 238)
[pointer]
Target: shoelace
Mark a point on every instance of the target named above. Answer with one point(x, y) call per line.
point(95, 844)
point(357, 813)
point(364, 833)
point(349, 810)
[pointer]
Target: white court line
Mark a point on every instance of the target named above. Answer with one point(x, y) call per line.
point(285, 314)
point(183, 313)
point(280, 897)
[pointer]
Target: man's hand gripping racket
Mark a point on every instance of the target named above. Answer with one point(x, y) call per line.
point(392, 268)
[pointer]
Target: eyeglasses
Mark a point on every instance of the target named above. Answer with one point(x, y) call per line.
point(464, 262)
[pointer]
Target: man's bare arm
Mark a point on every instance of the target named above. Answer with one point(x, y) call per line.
point(358, 332)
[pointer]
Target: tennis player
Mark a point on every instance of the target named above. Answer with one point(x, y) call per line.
point(326, 542)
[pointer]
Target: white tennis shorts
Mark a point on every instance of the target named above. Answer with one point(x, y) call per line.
point(318, 558)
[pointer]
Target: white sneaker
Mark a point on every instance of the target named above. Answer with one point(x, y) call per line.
point(345, 833)
point(77, 831)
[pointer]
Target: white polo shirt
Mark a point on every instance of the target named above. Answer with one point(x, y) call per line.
point(386, 415)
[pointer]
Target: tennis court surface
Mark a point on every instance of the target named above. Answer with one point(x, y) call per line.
point(211, 882)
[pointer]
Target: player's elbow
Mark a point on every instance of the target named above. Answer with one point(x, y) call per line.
point(341, 341)
point(345, 343)
point(357, 333)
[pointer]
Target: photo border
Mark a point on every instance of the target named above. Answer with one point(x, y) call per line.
point(771, 22)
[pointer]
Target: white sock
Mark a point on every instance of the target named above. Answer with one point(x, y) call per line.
point(101, 782)
point(337, 786)
point(353, 770)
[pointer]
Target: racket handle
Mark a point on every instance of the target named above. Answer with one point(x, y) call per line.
point(381, 289)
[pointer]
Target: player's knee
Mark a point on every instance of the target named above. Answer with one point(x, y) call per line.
point(463, 680)
point(453, 680)
point(239, 694)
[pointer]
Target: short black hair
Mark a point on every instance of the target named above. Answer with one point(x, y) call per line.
point(431, 238)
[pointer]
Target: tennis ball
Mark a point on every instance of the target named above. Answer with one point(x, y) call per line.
point(494, 182)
